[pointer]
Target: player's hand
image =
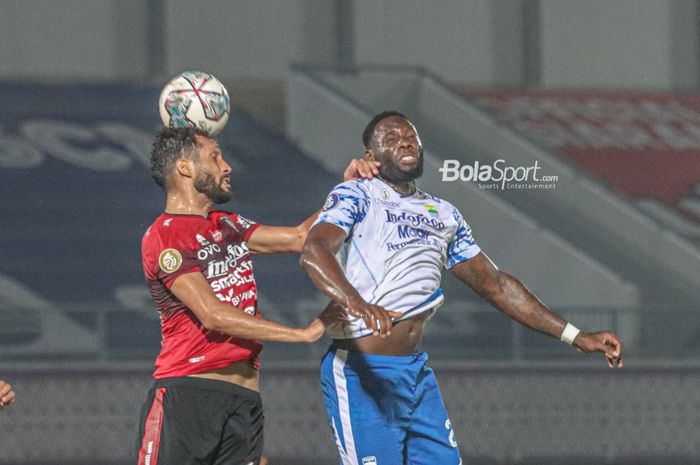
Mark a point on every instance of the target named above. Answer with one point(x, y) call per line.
point(605, 342)
point(377, 318)
point(361, 168)
point(7, 395)
point(334, 313)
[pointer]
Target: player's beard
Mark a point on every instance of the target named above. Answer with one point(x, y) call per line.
point(205, 182)
point(391, 172)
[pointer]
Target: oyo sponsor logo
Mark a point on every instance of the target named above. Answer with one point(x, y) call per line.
point(497, 174)
point(413, 219)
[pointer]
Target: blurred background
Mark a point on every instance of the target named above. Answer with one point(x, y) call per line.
point(601, 99)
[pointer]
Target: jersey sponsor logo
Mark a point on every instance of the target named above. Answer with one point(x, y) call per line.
point(249, 294)
point(207, 251)
point(385, 194)
point(217, 235)
point(393, 247)
point(332, 201)
point(170, 260)
point(387, 203)
point(197, 359)
point(167, 222)
point(217, 268)
point(413, 219)
point(241, 275)
point(371, 460)
point(408, 232)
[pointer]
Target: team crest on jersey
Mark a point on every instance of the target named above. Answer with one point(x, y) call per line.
point(331, 202)
point(217, 235)
point(170, 260)
point(385, 194)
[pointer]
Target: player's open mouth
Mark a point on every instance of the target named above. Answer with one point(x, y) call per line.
point(408, 159)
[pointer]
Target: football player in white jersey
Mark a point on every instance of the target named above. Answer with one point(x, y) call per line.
point(380, 244)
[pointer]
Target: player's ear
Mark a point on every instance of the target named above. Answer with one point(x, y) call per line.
point(369, 155)
point(183, 167)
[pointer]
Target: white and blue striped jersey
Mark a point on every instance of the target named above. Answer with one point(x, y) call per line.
point(396, 246)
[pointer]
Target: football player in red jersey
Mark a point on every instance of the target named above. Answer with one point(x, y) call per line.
point(204, 406)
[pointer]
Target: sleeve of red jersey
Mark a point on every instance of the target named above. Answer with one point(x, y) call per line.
point(248, 226)
point(165, 257)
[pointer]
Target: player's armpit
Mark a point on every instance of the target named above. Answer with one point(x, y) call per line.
point(194, 291)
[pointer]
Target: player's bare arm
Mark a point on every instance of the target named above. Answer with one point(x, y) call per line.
point(281, 239)
point(194, 291)
point(7, 394)
point(510, 296)
point(318, 259)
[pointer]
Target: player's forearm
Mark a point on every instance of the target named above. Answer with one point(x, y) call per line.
point(516, 301)
point(237, 323)
point(327, 275)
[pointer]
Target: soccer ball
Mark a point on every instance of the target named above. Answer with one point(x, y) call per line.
point(195, 99)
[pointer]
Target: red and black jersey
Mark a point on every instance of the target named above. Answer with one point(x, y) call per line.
point(217, 247)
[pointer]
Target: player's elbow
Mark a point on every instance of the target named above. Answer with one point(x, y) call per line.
point(309, 255)
point(210, 320)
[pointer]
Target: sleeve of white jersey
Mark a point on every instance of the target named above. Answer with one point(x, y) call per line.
point(345, 206)
point(463, 246)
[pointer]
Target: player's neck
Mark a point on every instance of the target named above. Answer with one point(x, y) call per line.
point(181, 202)
point(403, 188)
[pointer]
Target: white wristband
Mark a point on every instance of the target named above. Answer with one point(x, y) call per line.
point(569, 334)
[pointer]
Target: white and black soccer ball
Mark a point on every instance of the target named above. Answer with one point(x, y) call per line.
point(195, 99)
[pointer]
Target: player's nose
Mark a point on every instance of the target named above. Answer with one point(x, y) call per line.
point(225, 167)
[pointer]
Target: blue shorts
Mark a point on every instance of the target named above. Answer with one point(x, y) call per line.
point(386, 410)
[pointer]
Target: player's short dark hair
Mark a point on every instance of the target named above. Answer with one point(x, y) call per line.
point(374, 122)
point(171, 144)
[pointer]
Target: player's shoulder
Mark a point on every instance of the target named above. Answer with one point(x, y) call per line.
point(170, 228)
point(361, 186)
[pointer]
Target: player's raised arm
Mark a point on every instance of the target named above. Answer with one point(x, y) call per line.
point(280, 239)
point(510, 296)
point(318, 258)
point(194, 291)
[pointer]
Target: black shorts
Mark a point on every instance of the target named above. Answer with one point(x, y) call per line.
point(187, 421)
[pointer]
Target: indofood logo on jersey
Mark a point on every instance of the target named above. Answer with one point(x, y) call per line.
point(413, 219)
point(498, 175)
